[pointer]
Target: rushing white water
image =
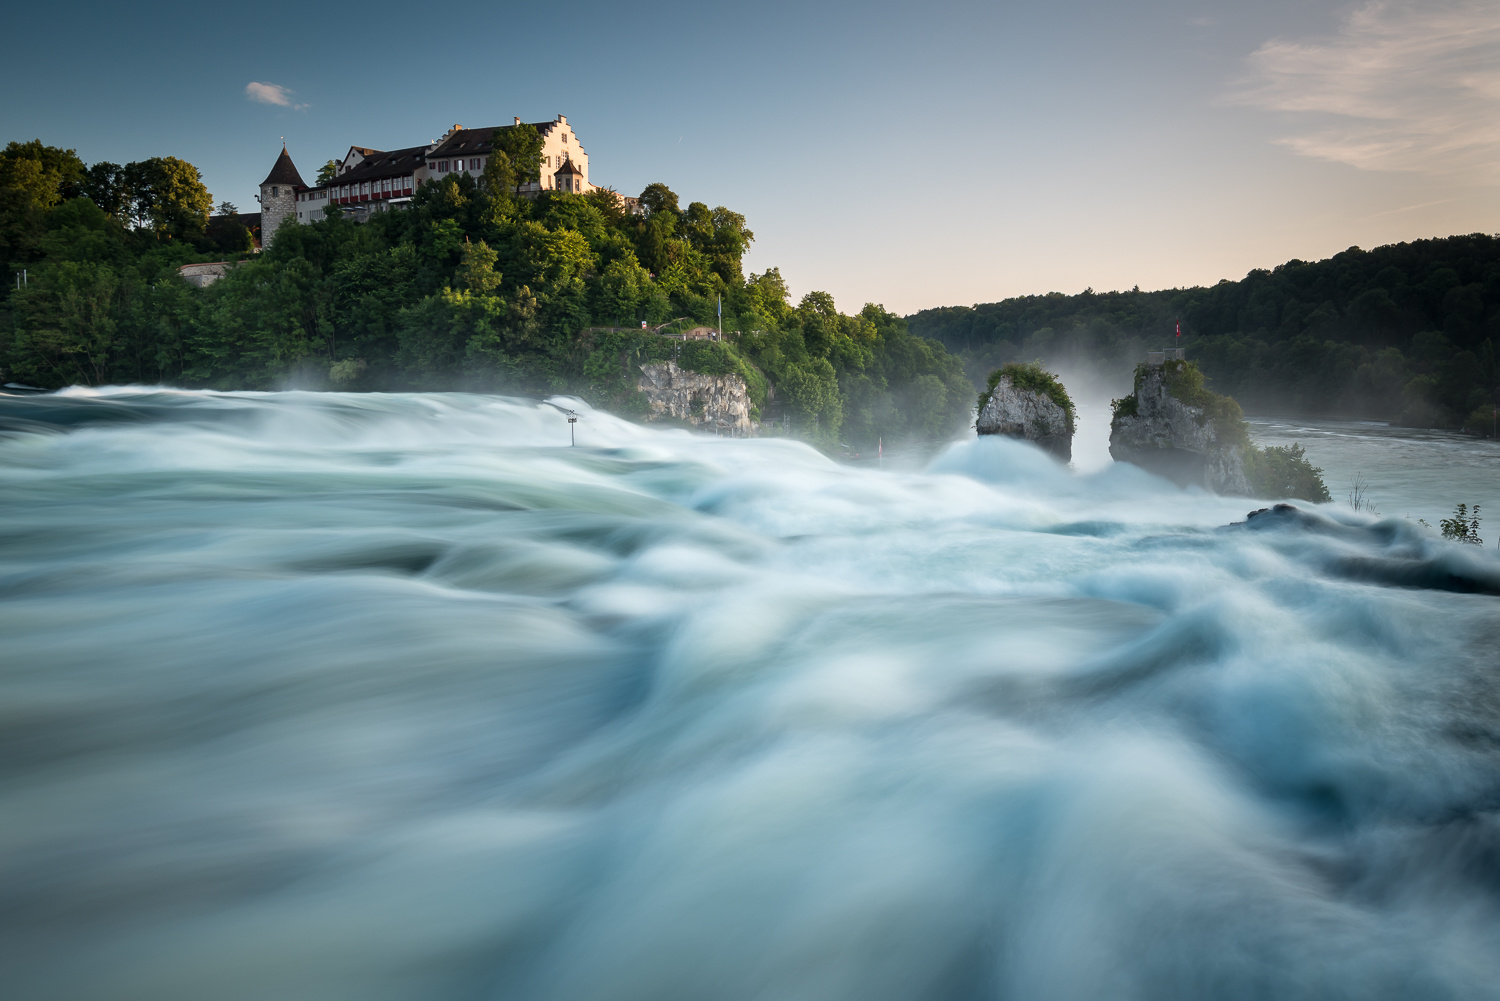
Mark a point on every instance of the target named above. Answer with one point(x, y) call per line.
point(358, 697)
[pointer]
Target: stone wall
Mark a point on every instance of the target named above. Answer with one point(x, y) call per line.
point(712, 402)
point(273, 209)
point(204, 274)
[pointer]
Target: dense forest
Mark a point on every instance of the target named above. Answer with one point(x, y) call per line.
point(470, 288)
point(1406, 333)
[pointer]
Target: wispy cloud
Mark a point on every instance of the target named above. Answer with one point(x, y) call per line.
point(1404, 85)
point(271, 93)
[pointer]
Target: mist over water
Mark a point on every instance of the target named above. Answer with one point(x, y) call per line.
point(312, 696)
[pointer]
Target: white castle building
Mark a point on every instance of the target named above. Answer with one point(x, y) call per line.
point(373, 180)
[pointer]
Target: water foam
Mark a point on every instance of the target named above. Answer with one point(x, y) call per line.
point(326, 696)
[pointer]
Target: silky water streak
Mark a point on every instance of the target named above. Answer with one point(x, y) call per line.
point(356, 698)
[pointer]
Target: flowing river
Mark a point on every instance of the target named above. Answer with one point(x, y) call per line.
point(319, 697)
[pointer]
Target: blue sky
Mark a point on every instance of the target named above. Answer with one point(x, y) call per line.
point(911, 154)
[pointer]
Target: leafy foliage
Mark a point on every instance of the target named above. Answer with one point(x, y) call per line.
point(1463, 526)
point(1283, 471)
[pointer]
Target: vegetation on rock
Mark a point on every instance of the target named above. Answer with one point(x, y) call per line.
point(1185, 382)
point(1032, 377)
point(1276, 471)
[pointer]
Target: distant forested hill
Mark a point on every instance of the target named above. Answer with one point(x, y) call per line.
point(1407, 332)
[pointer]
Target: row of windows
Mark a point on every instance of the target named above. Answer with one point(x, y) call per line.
point(448, 166)
point(385, 186)
point(405, 183)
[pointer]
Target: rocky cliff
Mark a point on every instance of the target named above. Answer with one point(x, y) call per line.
point(712, 402)
point(1197, 440)
point(1018, 412)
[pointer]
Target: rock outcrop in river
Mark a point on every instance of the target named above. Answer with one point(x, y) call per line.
point(1174, 427)
point(1024, 401)
point(719, 402)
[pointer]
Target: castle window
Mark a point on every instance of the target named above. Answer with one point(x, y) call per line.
point(275, 191)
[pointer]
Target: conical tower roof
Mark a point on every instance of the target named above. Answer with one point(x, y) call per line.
point(285, 172)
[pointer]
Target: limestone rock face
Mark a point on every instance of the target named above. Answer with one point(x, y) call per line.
point(1022, 413)
point(1172, 439)
point(718, 402)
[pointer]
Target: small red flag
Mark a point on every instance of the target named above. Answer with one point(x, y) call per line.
point(1179, 328)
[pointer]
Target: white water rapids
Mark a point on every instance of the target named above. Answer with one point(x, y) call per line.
point(313, 697)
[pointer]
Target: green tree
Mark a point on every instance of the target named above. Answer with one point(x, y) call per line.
point(476, 271)
point(812, 395)
point(658, 199)
point(623, 293)
point(68, 321)
point(369, 293)
point(33, 179)
point(522, 146)
point(169, 197)
point(499, 178)
point(105, 185)
point(328, 172)
point(769, 296)
point(261, 323)
point(43, 176)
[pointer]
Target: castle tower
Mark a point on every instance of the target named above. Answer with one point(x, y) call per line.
point(278, 197)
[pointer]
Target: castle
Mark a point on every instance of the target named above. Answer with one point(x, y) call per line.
point(372, 180)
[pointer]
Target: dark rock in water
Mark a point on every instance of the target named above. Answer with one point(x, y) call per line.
point(1389, 553)
point(1166, 436)
point(1025, 413)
